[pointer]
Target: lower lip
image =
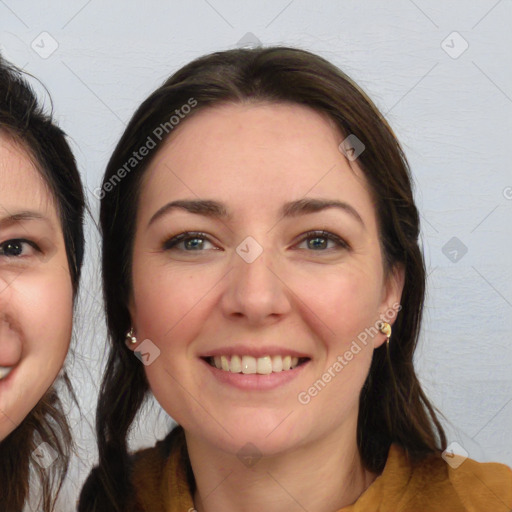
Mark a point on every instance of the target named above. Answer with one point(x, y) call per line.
point(255, 381)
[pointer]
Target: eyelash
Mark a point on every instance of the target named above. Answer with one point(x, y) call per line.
point(342, 244)
point(17, 241)
point(191, 235)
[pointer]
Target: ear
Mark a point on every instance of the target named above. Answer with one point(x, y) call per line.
point(391, 296)
point(131, 308)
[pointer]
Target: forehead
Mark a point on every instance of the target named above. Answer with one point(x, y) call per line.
point(21, 184)
point(258, 151)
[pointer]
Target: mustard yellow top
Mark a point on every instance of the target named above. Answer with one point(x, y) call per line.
point(162, 484)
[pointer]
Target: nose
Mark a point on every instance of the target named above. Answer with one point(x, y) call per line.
point(255, 290)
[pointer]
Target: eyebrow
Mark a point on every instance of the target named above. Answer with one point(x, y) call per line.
point(23, 216)
point(306, 205)
point(214, 209)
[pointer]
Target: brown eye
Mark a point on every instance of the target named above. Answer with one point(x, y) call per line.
point(17, 247)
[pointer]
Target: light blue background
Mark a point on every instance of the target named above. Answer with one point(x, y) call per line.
point(452, 115)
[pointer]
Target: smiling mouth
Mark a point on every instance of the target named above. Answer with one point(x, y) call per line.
point(4, 371)
point(255, 365)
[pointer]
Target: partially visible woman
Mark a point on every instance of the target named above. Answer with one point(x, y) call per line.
point(261, 258)
point(41, 252)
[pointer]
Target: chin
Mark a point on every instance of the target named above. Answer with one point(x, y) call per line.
point(252, 431)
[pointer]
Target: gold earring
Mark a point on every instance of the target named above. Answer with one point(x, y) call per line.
point(130, 336)
point(385, 328)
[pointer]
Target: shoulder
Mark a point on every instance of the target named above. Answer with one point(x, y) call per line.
point(146, 474)
point(147, 469)
point(459, 485)
point(159, 474)
point(483, 486)
point(153, 458)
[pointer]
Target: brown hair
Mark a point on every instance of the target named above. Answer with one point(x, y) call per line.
point(24, 121)
point(393, 407)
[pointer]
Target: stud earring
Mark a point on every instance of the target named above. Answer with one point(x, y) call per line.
point(385, 328)
point(130, 336)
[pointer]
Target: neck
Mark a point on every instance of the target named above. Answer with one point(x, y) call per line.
point(323, 475)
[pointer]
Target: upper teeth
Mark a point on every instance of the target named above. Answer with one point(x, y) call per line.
point(4, 371)
point(248, 364)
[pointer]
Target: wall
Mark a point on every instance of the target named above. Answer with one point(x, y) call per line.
point(441, 72)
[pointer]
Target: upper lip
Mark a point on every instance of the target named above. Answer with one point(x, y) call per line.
point(243, 350)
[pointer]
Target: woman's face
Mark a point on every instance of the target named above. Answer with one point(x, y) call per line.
point(36, 298)
point(260, 280)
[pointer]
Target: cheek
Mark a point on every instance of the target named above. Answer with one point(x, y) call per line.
point(167, 301)
point(345, 300)
point(46, 308)
point(42, 307)
point(47, 325)
point(171, 309)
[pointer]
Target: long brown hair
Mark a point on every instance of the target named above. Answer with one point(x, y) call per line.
point(393, 407)
point(23, 120)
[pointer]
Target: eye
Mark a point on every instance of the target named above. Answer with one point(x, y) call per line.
point(196, 242)
point(18, 247)
point(318, 241)
point(192, 241)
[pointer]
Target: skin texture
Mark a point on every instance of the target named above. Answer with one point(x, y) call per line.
point(36, 300)
point(254, 158)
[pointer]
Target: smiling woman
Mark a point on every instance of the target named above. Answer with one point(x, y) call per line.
point(267, 245)
point(41, 249)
